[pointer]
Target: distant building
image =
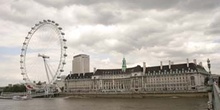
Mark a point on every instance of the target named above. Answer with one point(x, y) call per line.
point(80, 64)
point(185, 77)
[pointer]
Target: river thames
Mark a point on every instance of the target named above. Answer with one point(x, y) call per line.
point(151, 103)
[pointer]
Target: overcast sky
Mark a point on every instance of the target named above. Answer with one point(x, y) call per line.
point(140, 30)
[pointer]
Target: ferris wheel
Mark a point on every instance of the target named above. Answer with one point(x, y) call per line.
point(43, 54)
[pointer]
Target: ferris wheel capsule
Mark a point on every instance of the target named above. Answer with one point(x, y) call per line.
point(65, 47)
point(65, 55)
point(59, 28)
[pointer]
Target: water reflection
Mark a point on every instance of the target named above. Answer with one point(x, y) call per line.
point(150, 103)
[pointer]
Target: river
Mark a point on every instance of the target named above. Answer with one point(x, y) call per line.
point(151, 103)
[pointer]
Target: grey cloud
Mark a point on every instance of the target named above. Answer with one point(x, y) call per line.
point(179, 53)
point(146, 4)
point(131, 39)
point(150, 4)
point(214, 27)
point(123, 48)
point(25, 12)
point(190, 5)
point(213, 31)
point(108, 17)
point(198, 5)
point(85, 39)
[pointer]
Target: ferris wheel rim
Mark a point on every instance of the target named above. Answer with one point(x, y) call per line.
point(24, 49)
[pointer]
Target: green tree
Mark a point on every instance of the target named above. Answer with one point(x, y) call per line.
point(15, 88)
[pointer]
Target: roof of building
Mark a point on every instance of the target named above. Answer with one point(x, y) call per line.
point(80, 76)
point(118, 71)
point(176, 68)
point(80, 55)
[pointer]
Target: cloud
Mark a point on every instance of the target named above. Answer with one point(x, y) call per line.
point(24, 12)
point(214, 25)
point(198, 5)
point(143, 30)
point(126, 3)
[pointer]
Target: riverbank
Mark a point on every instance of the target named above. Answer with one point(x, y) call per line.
point(1, 97)
point(133, 95)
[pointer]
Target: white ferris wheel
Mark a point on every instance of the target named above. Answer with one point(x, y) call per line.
point(43, 54)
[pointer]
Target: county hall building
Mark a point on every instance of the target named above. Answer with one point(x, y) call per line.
point(184, 77)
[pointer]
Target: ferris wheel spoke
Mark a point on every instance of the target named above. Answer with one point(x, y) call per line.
point(51, 72)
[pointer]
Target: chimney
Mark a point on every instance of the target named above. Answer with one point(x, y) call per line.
point(94, 70)
point(161, 65)
point(200, 63)
point(187, 63)
point(144, 68)
point(194, 60)
point(169, 64)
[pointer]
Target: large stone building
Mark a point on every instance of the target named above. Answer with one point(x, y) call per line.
point(80, 64)
point(184, 77)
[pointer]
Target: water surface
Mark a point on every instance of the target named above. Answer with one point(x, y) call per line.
point(150, 103)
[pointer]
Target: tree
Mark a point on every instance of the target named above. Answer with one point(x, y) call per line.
point(15, 88)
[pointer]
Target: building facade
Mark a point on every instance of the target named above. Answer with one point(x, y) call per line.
point(80, 64)
point(185, 77)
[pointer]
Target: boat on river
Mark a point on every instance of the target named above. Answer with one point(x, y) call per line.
point(25, 97)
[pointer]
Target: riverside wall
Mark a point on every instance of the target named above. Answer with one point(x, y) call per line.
point(132, 95)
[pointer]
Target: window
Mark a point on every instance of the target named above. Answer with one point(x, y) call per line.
point(192, 78)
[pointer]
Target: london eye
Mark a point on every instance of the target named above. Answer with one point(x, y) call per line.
point(43, 55)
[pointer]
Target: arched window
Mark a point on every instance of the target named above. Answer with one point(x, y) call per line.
point(192, 78)
point(206, 81)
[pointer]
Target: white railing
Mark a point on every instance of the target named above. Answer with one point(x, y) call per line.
point(216, 98)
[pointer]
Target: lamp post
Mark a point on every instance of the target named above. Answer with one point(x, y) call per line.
point(210, 84)
point(209, 66)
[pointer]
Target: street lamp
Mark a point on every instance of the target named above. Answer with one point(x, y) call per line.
point(209, 66)
point(210, 88)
